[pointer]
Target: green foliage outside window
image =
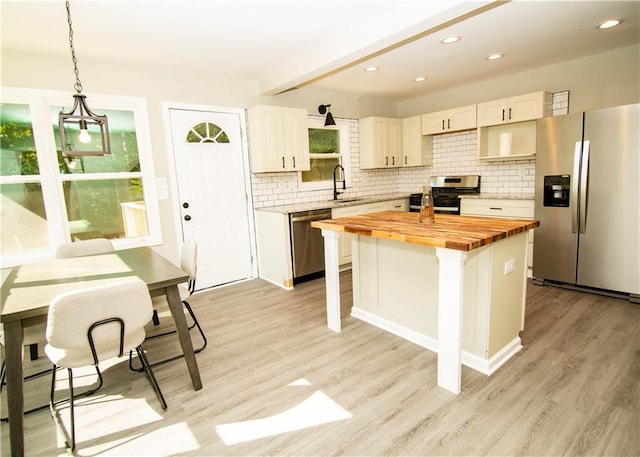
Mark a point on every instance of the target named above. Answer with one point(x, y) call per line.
point(94, 203)
point(324, 153)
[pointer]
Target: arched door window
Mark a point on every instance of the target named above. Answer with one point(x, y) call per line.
point(206, 132)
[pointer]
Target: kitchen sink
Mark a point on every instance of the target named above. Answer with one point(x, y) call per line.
point(347, 200)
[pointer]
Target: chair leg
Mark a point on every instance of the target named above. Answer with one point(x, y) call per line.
point(150, 376)
point(69, 439)
point(176, 357)
point(197, 324)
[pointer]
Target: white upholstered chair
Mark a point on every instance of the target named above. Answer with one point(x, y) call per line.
point(84, 247)
point(188, 264)
point(88, 326)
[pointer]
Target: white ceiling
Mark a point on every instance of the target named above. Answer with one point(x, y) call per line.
point(283, 44)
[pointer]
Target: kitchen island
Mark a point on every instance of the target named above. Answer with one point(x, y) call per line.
point(456, 286)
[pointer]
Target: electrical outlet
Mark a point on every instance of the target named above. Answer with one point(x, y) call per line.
point(509, 266)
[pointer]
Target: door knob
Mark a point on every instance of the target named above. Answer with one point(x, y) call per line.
point(187, 218)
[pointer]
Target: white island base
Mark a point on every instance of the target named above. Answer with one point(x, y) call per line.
point(468, 306)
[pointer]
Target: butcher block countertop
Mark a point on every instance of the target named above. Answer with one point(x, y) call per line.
point(462, 233)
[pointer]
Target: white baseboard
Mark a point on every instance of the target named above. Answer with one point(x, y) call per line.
point(484, 366)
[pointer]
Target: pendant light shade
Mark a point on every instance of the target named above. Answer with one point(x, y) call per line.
point(322, 109)
point(81, 131)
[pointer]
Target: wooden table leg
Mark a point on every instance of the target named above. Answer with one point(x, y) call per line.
point(332, 279)
point(450, 300)
point(175, 306)
point(15, 393)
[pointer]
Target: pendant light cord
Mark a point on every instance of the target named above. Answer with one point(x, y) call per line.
point(78, 85)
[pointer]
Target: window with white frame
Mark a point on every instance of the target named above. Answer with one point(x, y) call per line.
point(328, 147)
point(48, 199)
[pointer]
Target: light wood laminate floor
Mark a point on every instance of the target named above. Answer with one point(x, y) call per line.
point(278, 382)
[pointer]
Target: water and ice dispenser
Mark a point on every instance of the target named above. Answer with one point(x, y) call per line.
point(556, 190)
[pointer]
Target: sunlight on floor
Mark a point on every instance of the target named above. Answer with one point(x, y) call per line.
point(318, 409)
point(175, 439)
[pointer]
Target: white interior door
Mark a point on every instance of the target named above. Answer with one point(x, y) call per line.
point(214, 206)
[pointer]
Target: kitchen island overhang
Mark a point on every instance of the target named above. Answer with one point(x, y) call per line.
point(456, 286)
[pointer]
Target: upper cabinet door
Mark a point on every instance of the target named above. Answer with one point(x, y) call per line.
point(451, 120)
point(493, 113)
point(528, 107)
point(395, 143)
point(434, 123)
point(265, 138)
point(463, 118)
point(414, 150)
point(296, 137)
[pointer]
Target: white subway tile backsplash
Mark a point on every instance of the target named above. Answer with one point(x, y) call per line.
point(453, 154)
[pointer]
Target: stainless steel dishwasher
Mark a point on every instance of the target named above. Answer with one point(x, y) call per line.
point(307, 244)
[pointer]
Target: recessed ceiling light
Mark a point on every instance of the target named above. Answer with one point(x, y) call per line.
point(420, 78)
point(450, 39)
point(495, 56)
point(609, 23)
point(371, 68)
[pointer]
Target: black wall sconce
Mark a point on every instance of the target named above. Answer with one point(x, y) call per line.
point(322, 109)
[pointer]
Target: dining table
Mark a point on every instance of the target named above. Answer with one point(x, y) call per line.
point(27, 290)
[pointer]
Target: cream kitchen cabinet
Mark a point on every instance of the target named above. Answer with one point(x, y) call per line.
point(344, 247)
point(278, 139)
point(380, 142)
point(514, 109)
point(498, 207)
point(512, 120)
point(417, 151)
point(451, 120)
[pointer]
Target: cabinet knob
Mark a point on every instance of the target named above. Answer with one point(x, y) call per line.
point(187, 218)
point(185, 205)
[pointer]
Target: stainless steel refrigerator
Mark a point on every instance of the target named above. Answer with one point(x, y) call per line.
point(587, 199)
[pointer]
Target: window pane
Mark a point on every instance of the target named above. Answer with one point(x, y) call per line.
point(105, 208)
point(323, 141)
point(321, 170)
point(17, 148)
point(124, 146)
point(24, 223)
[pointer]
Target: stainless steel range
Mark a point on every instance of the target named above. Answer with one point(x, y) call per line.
point(446, 191)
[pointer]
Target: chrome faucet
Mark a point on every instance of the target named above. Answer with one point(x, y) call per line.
point(335, 180)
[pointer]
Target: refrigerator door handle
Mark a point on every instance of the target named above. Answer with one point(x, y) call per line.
point(584, 187)
point(577, 155)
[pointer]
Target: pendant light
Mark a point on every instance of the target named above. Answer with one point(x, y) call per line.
point(82, 132)
point(329, 119)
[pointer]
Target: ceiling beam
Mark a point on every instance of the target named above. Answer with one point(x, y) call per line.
point(389, 33)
